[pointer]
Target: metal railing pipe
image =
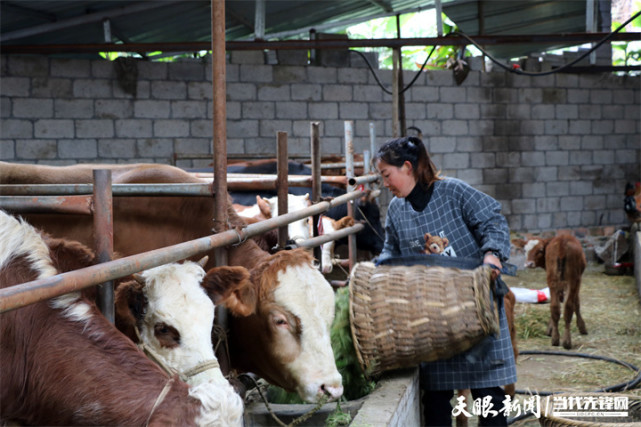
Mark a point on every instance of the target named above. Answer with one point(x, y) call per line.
point(343, 232)
point(47, 204)
point(18, 296)
point(364, 179)
point(189, 189)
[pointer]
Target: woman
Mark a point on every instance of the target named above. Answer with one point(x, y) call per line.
point(472, 223)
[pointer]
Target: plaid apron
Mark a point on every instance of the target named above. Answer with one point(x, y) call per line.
point(472, 223)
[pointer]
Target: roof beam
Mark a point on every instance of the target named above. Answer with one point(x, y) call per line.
point(239, 19)
point(27, 11)
point(383, 5)
point(83, 19)
point(568, 38)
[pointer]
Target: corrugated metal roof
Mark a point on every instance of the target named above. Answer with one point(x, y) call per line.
point(25, 22)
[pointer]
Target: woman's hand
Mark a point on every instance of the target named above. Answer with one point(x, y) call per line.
point(490, 258)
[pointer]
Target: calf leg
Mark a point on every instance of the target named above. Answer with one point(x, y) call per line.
point(555, 314)
point(577, 308)
point(461, 419)
point(568, 311)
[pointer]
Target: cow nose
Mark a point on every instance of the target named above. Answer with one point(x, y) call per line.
point(529, 264)
point(333, 392)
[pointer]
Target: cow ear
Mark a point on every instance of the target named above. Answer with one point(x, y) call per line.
point(130, 305)
point(231, 287)
point(519, 243)
point(346, 221)
point(264, 207)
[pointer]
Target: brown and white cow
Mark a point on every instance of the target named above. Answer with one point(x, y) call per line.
point(63, 363)
point(292, 332)
point(563, 259)
point(169, 310)
point(266, 208)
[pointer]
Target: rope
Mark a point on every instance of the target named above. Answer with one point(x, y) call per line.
point(184, 376)
point(369, 223)
point(160, 398)
point(200, 368)
point(324, 399)
point(155, 357)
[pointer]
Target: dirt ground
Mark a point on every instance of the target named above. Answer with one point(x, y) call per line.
point(612, 311)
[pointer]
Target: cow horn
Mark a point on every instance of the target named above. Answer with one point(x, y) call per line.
point(138, 278)
point(203, 261)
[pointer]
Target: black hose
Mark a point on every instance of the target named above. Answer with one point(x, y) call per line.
point(628, 385)
point(556, 70)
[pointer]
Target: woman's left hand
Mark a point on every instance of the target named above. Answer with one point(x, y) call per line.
point(490, 258)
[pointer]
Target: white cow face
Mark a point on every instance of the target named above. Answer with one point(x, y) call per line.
point(173, 308)
point(297, 230)
point(179, 317)
point(305, 294)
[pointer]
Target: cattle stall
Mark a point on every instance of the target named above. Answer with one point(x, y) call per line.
point(75, 198)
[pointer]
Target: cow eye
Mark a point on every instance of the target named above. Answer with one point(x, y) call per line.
point(281, 321)
point(166, 335)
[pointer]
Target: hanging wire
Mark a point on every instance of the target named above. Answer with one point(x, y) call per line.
point(496, 61)
point(556, 70)
point(386, 90)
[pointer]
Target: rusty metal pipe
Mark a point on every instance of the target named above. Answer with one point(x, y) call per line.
point(453, 40)
point(39, 290)
point(189, 189)
point(104, 237)
point(45, 204)
point(281, 183)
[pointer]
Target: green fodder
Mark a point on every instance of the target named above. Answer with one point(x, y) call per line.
point(355, 383)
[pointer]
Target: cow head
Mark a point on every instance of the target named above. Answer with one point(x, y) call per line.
point(287, 340)
point(297, 230)
point(174, 313)
point(535, 253)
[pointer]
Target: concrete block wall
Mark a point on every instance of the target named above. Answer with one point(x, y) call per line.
point(556, 150)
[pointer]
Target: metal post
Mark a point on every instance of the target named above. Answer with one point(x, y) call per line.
point(349, 173)
point(281, 187)
point(401, 84)
point(395, 91)
point(104, 237)
point(317, 189)
point(219, 93)
point(372, 138)
point(259, 20)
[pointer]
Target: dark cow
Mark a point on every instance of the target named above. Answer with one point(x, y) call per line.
point(283, 338)
point(63, 363)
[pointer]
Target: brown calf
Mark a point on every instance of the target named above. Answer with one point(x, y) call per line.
point(509, 301)
point(563, 259)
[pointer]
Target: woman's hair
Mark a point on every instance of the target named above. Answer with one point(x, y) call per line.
point(397, 151)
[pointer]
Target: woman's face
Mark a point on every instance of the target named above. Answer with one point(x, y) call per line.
point(399, 180)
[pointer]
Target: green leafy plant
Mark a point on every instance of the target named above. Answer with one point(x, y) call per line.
point(338, 417)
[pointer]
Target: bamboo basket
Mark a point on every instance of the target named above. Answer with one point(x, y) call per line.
point(547, 419)
point(403, 315)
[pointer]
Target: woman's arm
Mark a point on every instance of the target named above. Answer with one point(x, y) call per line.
point(482, 214)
